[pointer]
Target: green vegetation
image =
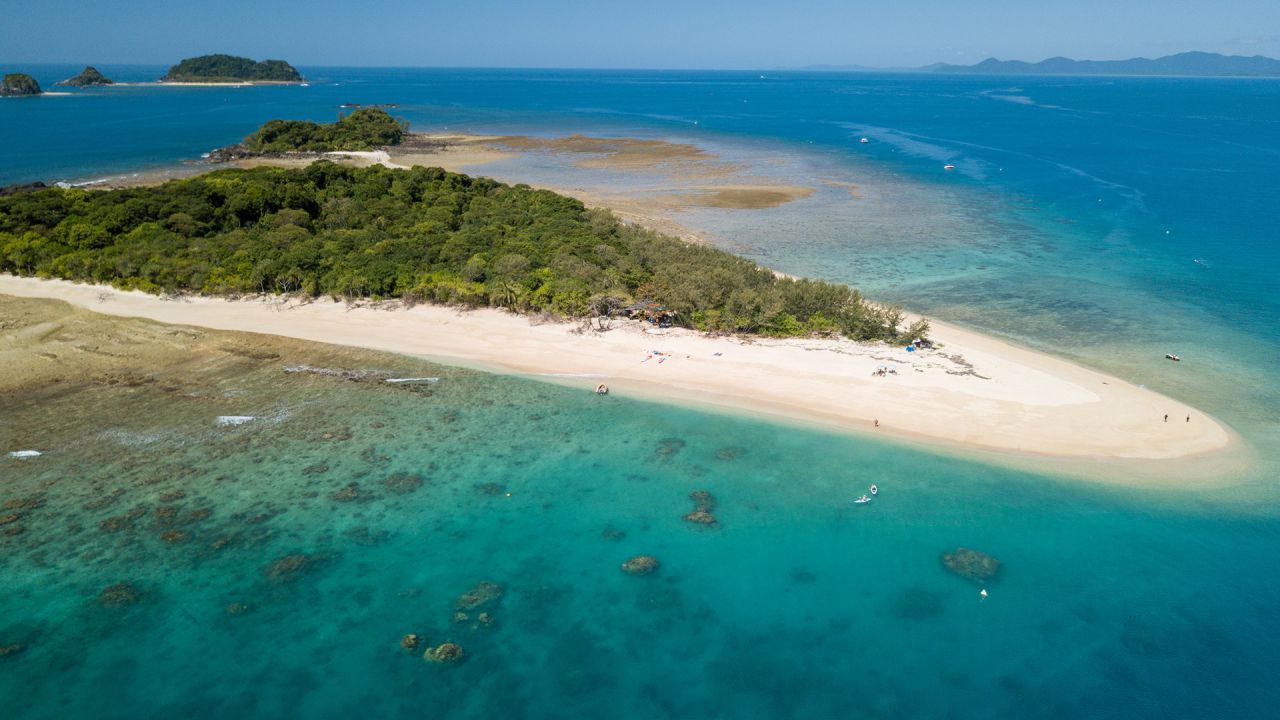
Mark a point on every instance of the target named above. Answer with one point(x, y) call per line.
point(88, 77)
point(361, 130)
point(15, 84)
point(420, 235)
point(229, 68)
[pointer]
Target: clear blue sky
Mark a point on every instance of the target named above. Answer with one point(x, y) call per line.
point(644, 33)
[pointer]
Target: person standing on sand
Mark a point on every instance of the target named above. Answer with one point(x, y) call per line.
point(1188, 417)
point(1166, 417)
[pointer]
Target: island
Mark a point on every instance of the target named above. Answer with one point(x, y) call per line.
point(1185, 64)
point(221, 69)
point(89, 77)
point(362, 131)
point(418, 235)
point(19, 85)
point(1182, 64)
point(422, 261)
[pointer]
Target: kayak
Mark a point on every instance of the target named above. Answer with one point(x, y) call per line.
point(862, 500)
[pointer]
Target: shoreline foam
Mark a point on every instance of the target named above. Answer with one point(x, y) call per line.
point(976, 392)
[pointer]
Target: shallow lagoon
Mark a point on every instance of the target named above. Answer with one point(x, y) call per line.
point(798, 604)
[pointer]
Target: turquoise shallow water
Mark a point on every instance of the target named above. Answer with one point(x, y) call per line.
point(1111, 602)
point(798, 605)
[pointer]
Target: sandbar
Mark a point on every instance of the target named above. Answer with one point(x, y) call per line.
point(973, 391)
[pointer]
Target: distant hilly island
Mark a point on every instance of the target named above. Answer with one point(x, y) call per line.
point(1182, 64)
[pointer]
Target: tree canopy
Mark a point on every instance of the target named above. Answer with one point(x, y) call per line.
point(229, 68)
point(421, 235)
point(364, 129)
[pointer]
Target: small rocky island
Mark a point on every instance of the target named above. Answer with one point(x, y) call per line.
point(231, 69)
point(363, 130)
point(18, 85)
point(89, 77)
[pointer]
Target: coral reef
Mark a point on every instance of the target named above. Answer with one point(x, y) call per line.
point(287, 568)
point(119, 594)
point(668, 447)
point(402, 483)
point(730, 453)
point(483, 593)
point(640, 565)
point(346, 494)
point(703, 503)
point(445, 653)
point(971, 564)
point(701, 517)
point(409, 642)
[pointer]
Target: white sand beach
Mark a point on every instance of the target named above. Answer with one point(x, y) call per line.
point(973, 391)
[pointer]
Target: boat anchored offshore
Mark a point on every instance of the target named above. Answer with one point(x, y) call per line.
point(1171, 356)
point(862, 500)
point(864, 141)
point(948, 166)
point(875, 490)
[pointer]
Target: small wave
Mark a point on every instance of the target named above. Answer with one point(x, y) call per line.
point(232, 420)
point(414, 380)
point(24, 454)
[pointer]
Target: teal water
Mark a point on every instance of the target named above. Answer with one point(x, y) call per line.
point(1108, 220)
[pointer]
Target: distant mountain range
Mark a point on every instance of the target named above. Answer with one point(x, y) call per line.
point(1187, 63)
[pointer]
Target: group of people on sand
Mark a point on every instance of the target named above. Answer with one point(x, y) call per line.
point(1166, 417)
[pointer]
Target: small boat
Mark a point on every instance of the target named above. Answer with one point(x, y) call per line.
point(862, 500)
point(1171, 356)
point(875, 490)
point(602, 389)
point(948, 166)
point(864, 141)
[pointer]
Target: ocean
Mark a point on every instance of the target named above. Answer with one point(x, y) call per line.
point(270, 569)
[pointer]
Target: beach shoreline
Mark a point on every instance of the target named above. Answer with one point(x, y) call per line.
point(974, 393)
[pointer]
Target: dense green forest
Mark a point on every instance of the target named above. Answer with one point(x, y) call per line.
point(361, 130)
point(229, 68)
point(420, 235)
point(19, 84)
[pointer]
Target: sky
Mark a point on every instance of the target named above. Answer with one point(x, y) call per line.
point(705, 34)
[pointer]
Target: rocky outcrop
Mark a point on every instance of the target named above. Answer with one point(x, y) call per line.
point(89, 77)
point(18, 85)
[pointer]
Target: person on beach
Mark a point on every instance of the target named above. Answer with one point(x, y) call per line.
point(1188, 417)
point(1166, 417)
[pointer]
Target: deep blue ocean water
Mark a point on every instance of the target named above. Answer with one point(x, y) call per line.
point(1108, 220)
